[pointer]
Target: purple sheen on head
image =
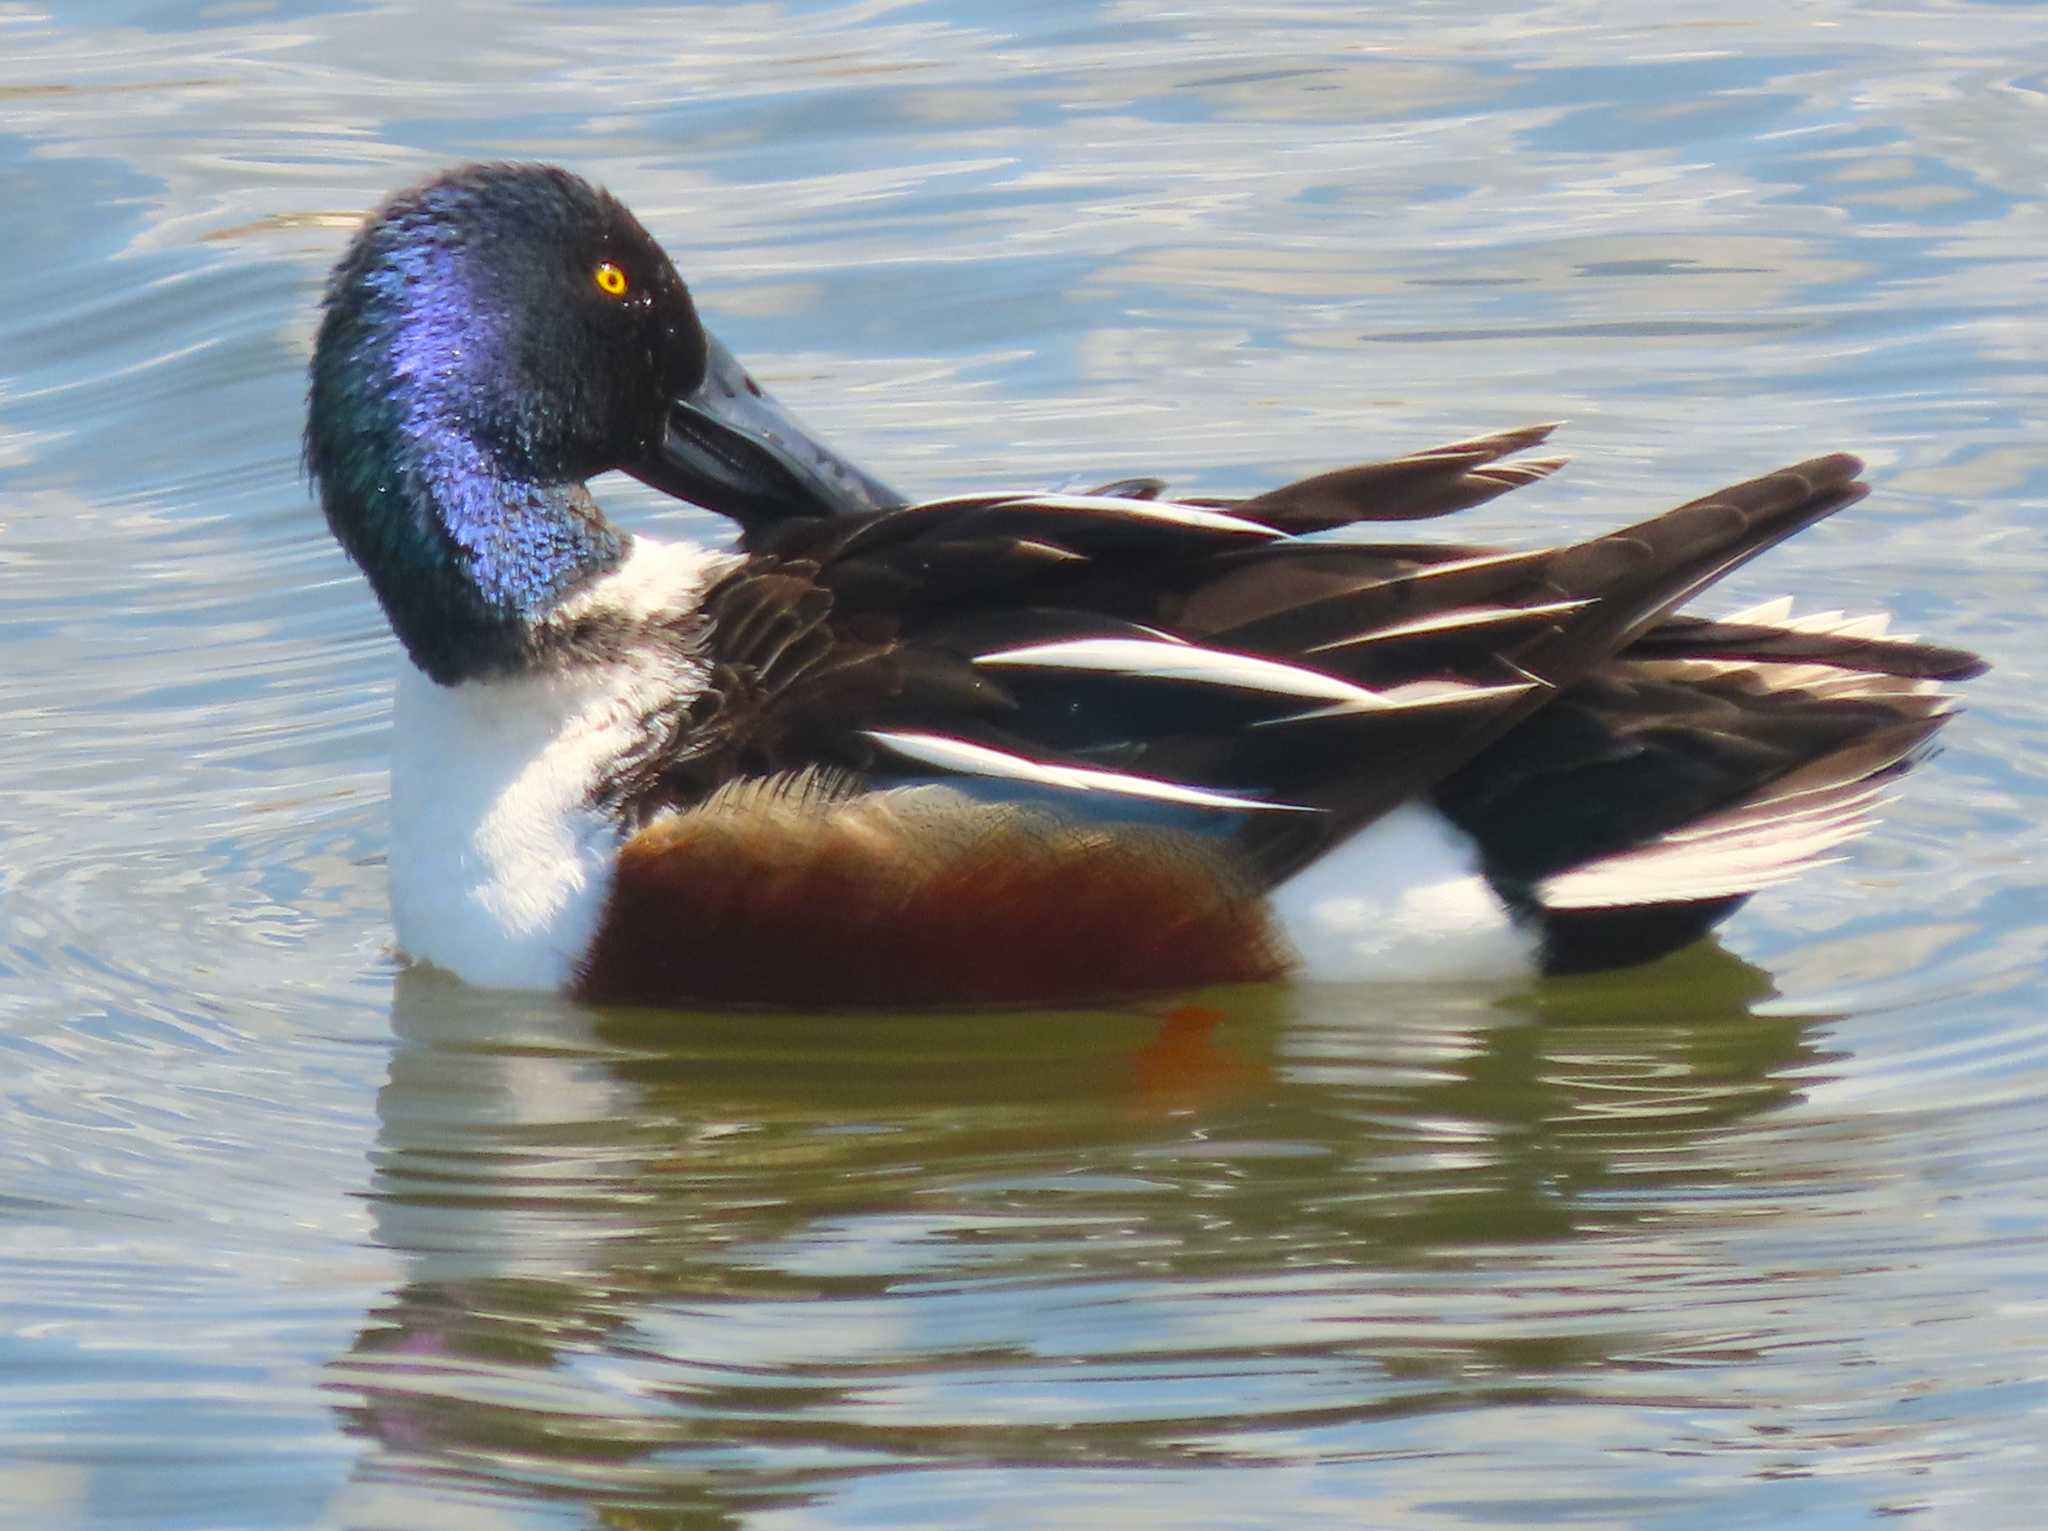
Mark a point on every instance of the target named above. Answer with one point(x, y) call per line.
point(465, 381)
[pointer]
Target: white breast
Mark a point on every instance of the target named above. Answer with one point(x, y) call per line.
point(499, 864)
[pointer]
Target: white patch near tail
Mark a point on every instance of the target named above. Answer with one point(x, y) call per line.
point(1402, 901)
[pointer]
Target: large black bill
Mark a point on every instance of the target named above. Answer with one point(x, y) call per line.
point(732, 449)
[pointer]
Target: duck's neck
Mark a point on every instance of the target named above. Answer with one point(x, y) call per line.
point(468, 555)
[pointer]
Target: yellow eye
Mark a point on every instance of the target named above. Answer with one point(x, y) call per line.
point(610, 277)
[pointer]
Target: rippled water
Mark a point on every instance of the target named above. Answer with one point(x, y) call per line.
point(288, 1236)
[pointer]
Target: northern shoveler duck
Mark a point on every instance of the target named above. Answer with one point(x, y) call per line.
point(1021, 748)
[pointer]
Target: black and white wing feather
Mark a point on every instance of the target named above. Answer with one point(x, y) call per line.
point(1131, 656)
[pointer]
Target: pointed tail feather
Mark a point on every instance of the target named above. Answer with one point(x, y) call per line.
point(1416, 487)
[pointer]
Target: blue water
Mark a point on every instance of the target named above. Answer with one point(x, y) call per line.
point(291, 1237)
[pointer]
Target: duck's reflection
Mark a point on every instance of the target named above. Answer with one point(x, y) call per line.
point(667, 1269)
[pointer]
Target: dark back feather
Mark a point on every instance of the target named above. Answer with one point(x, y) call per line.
point(1141, 643)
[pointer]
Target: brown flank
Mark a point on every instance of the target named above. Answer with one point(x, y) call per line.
point(796, 893)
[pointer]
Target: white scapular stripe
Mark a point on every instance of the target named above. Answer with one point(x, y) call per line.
point(1412, 696)
point(980, 760)
point(1169, 512)
point(1183, 661)
point(1476, 561)
point(1221, 667)
point(1452, 621)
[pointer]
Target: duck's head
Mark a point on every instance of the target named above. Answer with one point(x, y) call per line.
point(491, 339)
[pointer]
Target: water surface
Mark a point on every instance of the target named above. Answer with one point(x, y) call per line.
point(289, 1236)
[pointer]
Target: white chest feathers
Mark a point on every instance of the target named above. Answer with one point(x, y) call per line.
point(500, 864)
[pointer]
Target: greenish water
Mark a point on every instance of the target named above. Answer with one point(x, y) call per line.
point(291, 1237)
